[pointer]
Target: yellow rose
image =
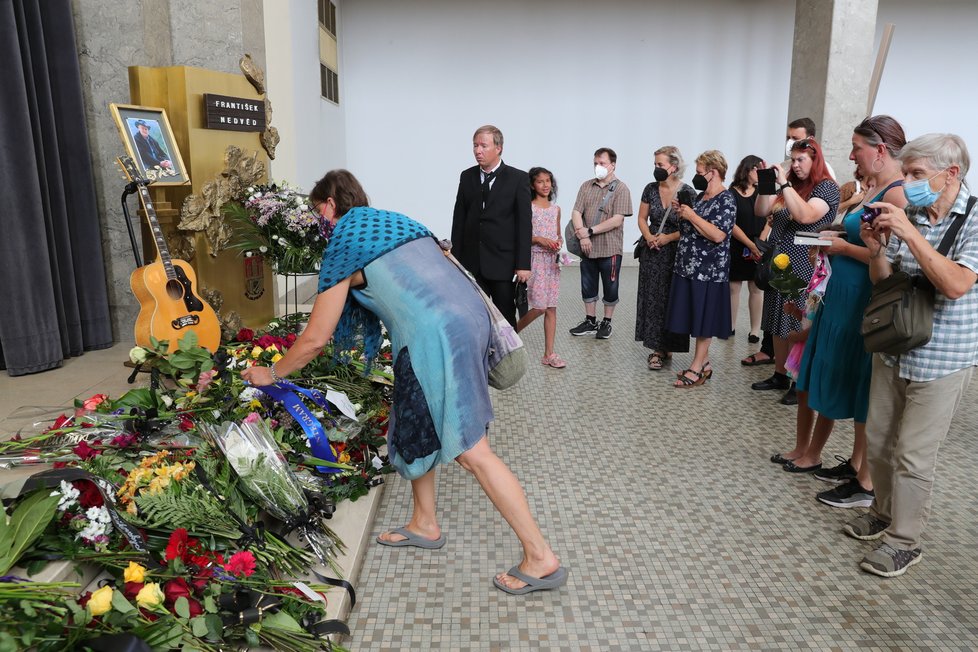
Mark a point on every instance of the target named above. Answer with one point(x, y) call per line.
point(135, 573)
point(100, 602)
point(150, 595)
point(344, 458)
point(781, 261)
point(276, 358)
point(257, 351)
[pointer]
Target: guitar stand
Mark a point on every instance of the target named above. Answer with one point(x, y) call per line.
point(131, 189)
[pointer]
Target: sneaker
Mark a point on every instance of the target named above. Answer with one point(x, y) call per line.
point(887, 561)
point(553, 360)
point(865, 528)
point(837, 474)
point(850, 494)
point(586, 327)
point(604, 330)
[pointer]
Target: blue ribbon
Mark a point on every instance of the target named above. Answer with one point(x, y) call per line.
point(285, 393)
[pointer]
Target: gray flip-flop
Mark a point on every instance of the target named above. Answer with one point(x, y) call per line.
point(412, 539)
point(556, 579)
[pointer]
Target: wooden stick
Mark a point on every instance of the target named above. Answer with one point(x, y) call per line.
point(874, 82)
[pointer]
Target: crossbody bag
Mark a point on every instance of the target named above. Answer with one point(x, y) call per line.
point(570, 238)
point(900, 313)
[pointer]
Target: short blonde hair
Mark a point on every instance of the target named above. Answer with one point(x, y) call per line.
point(675, 159)
point(713, 160)
point(497, 136)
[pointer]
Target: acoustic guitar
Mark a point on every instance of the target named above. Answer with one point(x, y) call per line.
point(168, 306)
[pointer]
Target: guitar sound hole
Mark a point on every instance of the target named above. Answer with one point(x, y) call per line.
point(174, 290)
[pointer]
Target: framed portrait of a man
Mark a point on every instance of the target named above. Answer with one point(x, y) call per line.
point(149, 141)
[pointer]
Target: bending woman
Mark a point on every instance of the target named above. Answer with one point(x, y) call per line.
point(384, 267)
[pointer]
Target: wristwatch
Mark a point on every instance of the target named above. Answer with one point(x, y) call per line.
point(590, 232)
point(786, 184)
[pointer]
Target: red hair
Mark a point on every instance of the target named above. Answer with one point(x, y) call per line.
point(819, 172)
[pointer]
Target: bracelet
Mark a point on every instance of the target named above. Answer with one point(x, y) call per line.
point(275, 376)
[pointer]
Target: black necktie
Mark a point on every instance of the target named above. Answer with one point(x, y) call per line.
point(489, 176)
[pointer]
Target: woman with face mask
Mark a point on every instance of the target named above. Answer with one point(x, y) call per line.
point(659, 225)
point(699, 299)
point(807, 200)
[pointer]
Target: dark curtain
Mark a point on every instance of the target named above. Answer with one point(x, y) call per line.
point(53, 299)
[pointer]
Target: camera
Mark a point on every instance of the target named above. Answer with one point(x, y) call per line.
point(767, 180)
point(870, 214)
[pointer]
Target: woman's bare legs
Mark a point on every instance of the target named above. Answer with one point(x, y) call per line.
point(423, 520)
point(755, 305)
point(812, 454)
point(859, 457)
point(529, 318)
point(734, 303)
point(549, 330)
point(506, 494)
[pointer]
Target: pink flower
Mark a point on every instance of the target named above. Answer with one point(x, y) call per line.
point(205, 379)
point(241, 563)
point(252, 417)
point(95, 401)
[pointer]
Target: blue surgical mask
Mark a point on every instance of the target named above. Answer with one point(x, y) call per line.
point(919, 192)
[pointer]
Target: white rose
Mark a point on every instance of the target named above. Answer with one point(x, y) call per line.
point(167, 401)
point(138, 355)
point(263, 249)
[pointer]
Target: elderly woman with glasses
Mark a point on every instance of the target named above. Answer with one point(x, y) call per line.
point(807, 199)
point(914, 396)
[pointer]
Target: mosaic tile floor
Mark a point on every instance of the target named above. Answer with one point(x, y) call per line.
point(679, 534)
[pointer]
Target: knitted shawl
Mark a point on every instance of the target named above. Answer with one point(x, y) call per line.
point(361, 236)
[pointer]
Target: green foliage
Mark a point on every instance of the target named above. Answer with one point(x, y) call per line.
point(27, 522)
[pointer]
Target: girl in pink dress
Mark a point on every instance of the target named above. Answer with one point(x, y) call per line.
point(543, 288)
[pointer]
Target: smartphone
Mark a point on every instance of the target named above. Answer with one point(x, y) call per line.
point(767, 180)
point(686, 198)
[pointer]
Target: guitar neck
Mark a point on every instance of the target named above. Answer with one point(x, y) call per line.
point(154, 225)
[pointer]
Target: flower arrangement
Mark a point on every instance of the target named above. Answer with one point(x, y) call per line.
point(277, 222)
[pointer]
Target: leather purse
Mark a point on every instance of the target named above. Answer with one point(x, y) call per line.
point(900, 313)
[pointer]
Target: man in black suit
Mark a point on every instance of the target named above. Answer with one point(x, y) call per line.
point(491, 225)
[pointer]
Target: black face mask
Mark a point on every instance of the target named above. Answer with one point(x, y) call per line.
point(700, 182)
point(660, 174)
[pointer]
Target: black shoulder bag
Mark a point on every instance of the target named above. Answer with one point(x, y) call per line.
point(900, 314)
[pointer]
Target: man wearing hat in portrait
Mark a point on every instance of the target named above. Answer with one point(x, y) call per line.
point(150, 151)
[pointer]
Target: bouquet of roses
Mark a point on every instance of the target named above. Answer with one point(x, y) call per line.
point(277, 222)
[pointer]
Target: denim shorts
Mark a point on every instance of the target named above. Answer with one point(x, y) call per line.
point(609, 269)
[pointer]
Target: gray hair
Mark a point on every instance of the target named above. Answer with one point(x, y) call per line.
point(940, 150)
point(675, 159)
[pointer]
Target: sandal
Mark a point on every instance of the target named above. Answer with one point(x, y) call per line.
point(553, 360)
point(684, 381)
point(707, 371)
point(655, 361)
point(752, 360)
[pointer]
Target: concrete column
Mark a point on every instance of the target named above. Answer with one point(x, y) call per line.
point(831, 65)
point(112, 36)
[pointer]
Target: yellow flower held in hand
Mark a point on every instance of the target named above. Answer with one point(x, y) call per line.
point(100, 602)
point(150, 595)
point(135, 573)
point(781, 261)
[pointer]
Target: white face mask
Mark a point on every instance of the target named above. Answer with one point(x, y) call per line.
point(600, 172)
point(787, 147)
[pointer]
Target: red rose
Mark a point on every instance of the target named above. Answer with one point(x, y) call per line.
point(244, 335)
point(86, 452)
point(89, 495)
point(186, 423)
point(174, 589)
point(290, 338)
point(61, 422)
point(132, 589)
point(195, 607)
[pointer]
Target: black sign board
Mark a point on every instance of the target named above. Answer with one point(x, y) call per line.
point(233, 113)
